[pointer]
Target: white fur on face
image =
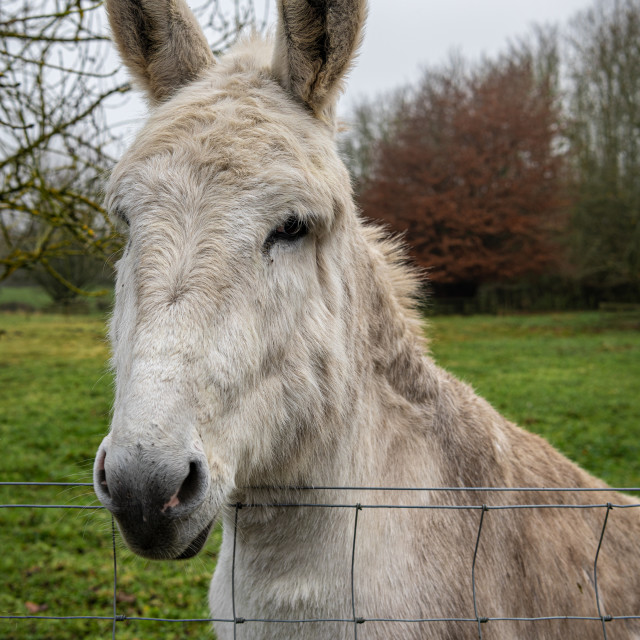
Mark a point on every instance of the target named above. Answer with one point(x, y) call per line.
point(215, 334)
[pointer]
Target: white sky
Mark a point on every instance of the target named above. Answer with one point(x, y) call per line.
point(403, 36)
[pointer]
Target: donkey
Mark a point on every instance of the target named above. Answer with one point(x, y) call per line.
point(265, 338)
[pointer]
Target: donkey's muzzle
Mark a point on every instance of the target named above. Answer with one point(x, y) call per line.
point(155, 496)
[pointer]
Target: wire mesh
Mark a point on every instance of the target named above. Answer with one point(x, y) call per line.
point(356, 620)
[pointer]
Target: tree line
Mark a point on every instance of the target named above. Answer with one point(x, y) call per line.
point(519, 173)
point(59, 77)
point(514, 174)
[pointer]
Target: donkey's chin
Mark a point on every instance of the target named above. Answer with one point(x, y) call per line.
point(197, 544)
point(164, 546)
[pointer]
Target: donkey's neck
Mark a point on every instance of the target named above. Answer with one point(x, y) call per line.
point(388, 391)
point(401, 383)
point(386, 407)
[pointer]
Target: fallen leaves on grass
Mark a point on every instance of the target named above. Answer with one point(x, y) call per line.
point(32, 607)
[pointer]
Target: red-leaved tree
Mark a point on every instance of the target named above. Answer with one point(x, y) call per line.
point(474, 174)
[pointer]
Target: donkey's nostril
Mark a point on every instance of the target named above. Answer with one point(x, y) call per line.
point(101, 473)
point(102, 479)
point(101, 458)
point(192, 485)
point(190, 493)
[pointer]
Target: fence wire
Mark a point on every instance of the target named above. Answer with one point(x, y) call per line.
point(356, 620)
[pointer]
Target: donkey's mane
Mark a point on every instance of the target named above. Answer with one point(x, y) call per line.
point(406, 281)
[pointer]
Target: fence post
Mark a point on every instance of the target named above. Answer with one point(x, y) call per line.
point(479, 620)
point(115, 578)
point(236, 621)
point(356, 621)
point(603, 619)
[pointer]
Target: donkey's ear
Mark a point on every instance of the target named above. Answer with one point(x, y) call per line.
point(316, 41)
point(161, 43)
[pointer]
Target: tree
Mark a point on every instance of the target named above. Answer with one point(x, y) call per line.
point(371, 122)
point(58, 76)
point(604, 104)
point(473, 173)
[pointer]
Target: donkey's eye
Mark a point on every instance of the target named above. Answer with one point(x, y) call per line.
point(121, 216)
point(291, 229)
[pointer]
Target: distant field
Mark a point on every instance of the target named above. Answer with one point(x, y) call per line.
point(55, 396)
point(572, 377)
point(34, 298)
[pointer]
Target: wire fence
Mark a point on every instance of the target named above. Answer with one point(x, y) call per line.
point(356, 620)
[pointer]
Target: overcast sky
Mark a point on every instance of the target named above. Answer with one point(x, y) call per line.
point(402, 36)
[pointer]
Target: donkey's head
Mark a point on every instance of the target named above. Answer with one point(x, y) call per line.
point(228, 330)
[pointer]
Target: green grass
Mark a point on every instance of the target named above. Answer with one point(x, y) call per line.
point(55, 396)
point(32, 298)
point(35, 297)
point(573, 378)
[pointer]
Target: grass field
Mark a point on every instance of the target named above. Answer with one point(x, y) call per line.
point(571, 377)
point(33, 298)
point(55, 394)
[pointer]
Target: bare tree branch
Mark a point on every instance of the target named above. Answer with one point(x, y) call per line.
point(58, 75)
